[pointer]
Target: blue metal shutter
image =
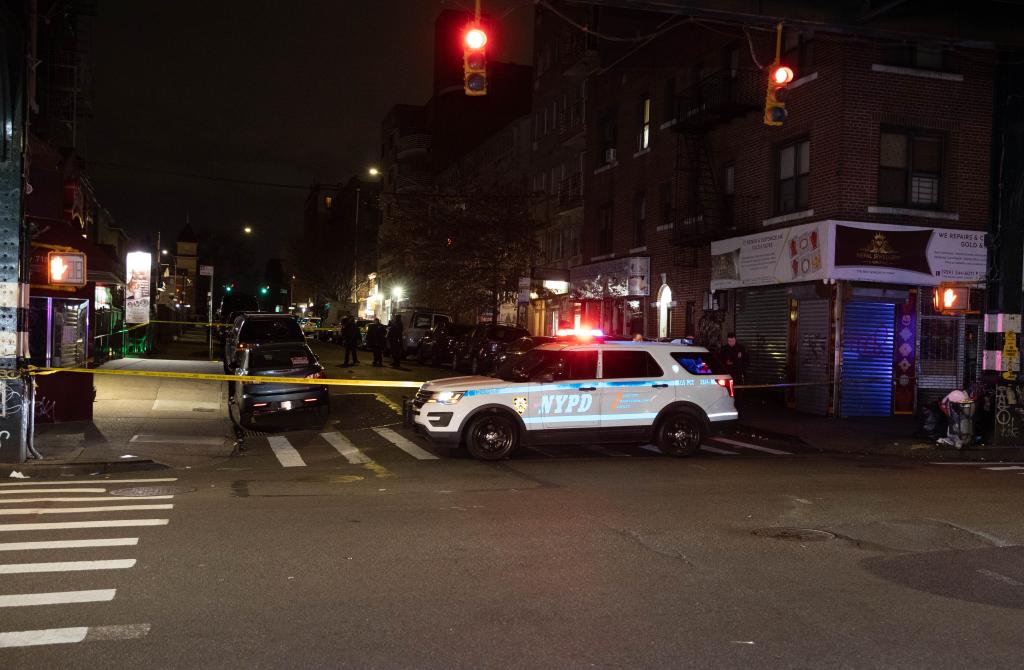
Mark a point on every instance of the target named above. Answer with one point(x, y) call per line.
point(813, 354)
point(868, 345)
point(762, 327)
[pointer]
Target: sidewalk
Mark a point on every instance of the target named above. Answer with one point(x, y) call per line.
point(883, 436)
point(139, 423)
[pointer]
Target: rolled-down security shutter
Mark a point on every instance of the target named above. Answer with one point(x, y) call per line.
point(762, 326)
point(868, 340)
point(813, 356)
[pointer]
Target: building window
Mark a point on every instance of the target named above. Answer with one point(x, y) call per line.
point(667, 202)
point(572, 242)
point(920, 56)
point(640, 220)
point(794, 170)
point(690, 323)
point(609, 131)
point(798, 53)
point(555, 245)
point(328, 201)
point(604, 230)
point(910, 169)
point(729, 196)
point(643, 140)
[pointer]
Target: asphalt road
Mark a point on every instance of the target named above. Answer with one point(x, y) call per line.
point(389, 557)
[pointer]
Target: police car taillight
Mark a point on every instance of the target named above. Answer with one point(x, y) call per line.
point(726, 384)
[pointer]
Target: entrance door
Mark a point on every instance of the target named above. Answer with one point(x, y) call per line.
point(867, 361)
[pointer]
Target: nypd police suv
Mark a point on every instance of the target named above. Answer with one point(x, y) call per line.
point(583, 389)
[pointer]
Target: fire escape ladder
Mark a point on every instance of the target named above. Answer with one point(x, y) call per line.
point(697, 194)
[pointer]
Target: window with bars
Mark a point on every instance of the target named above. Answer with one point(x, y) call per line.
point(910, 169)
point(794, 172)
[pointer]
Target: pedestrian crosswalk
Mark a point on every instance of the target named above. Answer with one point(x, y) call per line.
point(394, 445)
point(55, 550)
point(987, 466)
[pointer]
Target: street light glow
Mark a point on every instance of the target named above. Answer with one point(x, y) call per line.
point(163, 251)
point(373, 172)
point(397, 292)
point(247, 230)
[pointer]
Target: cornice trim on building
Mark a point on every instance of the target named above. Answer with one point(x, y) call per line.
point(786, 218)
point(920, 213)
point(638, 250)
point(603, 257)
point(916, 72)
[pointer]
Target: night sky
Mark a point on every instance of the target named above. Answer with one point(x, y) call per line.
point(261, 90)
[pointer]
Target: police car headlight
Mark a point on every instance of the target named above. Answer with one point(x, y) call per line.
point(447, 397)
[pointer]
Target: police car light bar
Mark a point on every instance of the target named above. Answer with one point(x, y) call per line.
point(582, 333)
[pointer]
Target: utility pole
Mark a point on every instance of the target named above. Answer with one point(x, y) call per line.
point(355, 256)
point(1006, 253)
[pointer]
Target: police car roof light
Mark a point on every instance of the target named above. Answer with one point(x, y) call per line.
point(581, 333)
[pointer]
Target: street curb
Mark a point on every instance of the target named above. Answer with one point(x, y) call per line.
point(59, 468)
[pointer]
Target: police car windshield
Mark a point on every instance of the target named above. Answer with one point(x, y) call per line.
point(522, 368)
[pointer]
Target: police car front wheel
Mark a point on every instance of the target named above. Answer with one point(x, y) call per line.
point(492, 437)
point(680, 434)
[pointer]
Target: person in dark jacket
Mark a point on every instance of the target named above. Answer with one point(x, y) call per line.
point(395, 340)
point(350, 340)
point(734, 357)
point(376, 339)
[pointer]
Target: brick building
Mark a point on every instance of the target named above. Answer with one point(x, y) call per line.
point(701, 219)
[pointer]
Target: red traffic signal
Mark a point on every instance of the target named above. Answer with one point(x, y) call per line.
point(774, 107)
point(66, 268)
point(474, 61)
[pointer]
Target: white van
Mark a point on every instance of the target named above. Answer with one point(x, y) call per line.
point(417, 322)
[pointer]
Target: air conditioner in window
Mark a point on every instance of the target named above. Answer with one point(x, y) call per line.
point(609, 155)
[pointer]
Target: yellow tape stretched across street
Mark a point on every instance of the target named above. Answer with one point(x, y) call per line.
point(200, 376)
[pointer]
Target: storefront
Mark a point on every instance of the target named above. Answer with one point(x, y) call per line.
point(613, 294)
point(842, 311)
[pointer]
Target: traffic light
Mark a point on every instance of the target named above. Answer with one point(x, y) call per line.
point(66, 268)
point(474, 61)
point(229, 288)
point(779, 77)
point(264, 290)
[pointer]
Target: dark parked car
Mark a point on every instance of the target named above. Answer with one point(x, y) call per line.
point(231, 305)
point(521, 346)
point(256, 404)
point(437, 345)
point(255, 330)
point(480, 349)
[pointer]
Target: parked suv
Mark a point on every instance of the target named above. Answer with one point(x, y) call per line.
point(437, 345)
point(253, 330)
point(601, 392)
point(478, 352)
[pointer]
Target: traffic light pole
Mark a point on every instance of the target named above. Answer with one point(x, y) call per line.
point(1006, 255)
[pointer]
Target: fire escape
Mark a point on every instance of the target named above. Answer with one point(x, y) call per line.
point(703, 211)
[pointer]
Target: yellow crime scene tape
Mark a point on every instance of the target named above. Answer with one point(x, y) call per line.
point(200, 376)
point(206, 324)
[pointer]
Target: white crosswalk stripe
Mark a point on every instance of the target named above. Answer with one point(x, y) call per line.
point(21, 492)
point(65, 525)
point(66, 566)
point(69, 544)
point(715, 450)
point(285, 452)
point(93, 481)
point(57, 598)
point(32, 638)
point(405, 444)
point(345, 447)
point(11, 501)
point(80, 510)
point(755, 447)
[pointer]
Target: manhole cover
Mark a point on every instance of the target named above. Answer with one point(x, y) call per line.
point(151, 491)
point(795, 534)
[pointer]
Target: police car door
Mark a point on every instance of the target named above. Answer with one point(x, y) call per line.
point(633, 387)
point(569, 401)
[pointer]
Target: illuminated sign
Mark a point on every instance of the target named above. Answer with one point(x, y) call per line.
point(66, 268)
point(951, 299)
point(138, 266)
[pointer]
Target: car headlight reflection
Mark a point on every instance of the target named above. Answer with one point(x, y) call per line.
point(447, 397)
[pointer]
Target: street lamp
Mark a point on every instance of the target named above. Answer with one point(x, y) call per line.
point(247, 230)
point(373, 172)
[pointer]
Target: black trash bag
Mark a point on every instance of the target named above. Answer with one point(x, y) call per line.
point(931, 422)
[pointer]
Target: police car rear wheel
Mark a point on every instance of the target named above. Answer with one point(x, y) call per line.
point(680, 434)
point(492, 437)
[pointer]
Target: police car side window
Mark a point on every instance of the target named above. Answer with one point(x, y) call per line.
point(580, 365)
point(629, 364)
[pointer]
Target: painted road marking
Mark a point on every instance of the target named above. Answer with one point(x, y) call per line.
point(716, 450)
point(974, 463)
point(177, 439)
point(67, 525)
point(604, 450)
point(57, 598)
point(69, 544)
point(34, 638)
point(406, 445)
point(1006, 467)
point(85, 499)
point(285, 452)
point(20, 492)
point(757, 447)
point(392, 405)
point(345, 447)
point(77, 510)
point(651, 448)
point(94, 481)
point(66, 566)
